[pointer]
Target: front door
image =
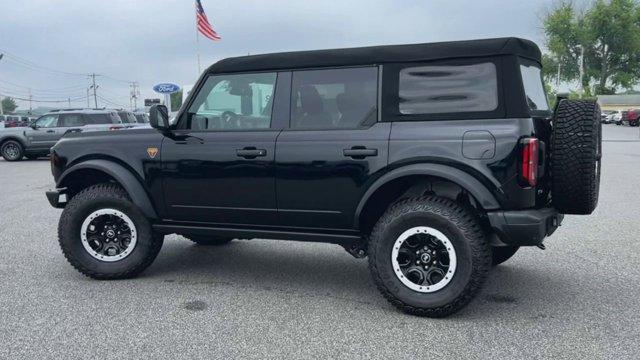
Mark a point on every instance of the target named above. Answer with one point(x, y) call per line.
point(332, 149)
point(218, 165)
point(45, 134)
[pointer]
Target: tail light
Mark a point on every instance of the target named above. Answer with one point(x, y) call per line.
point(530, 157)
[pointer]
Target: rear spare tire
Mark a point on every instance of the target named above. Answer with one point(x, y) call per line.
point(576, 151)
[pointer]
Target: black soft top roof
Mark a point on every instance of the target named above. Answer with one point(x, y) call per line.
point(380, 54)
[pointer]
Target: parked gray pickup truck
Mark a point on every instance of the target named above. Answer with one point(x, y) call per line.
point(37, 139)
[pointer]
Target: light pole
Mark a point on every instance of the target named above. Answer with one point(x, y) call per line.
point(581, 68)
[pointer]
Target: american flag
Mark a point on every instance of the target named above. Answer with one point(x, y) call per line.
point(203, 23)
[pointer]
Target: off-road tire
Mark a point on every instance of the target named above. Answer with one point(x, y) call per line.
point(99, 197)
point(9, 156)
point(576, 150)
point(502, 253)
point(462, 228)
point(209, 240)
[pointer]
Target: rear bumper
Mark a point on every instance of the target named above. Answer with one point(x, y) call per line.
point(525, 227)
point(57, 198)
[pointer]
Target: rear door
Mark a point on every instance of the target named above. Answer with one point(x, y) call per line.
point(332, 148)
point(218, 166)
point(69, 123)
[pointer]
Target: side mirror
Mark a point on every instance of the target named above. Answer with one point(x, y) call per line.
point(159, 117)
point(33, 125)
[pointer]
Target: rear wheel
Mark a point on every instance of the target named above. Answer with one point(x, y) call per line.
point(105, 236)
point(209, 240)
point(12, 150)
point(428, 256)
point(576, 152)
point(503, 253)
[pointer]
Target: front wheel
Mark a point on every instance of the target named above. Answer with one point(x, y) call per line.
point(428, 256)
point(105, 236)
point(12, 150)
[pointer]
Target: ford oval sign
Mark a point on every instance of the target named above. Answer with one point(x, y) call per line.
point(166, 88)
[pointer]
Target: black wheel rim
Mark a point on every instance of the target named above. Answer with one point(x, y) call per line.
point(108, 235)
point(424, 259)
point(11, 151)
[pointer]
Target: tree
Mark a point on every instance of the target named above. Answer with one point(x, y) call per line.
point(609, 35)
point(8, 105)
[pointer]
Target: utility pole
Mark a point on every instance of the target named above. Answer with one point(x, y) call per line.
point(30, 97)
point(95, 97)
point(69, 100)
point(133, 99)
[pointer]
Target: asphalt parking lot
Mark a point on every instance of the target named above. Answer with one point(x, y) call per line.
point(275, 299)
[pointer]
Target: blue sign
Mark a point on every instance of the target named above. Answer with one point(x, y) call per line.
point(166, 88)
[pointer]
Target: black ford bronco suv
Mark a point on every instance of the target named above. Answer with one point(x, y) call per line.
point(435, 161)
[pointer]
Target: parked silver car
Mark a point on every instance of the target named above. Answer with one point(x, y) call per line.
point(37, 139)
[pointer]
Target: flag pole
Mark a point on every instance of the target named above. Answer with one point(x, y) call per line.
point(198, 46)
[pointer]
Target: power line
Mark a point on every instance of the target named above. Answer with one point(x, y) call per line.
point(108, 101)
point(49, 101)
point(23, 93)
point(66, 88)
point(33, 66)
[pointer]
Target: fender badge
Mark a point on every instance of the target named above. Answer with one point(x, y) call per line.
point(152, 152)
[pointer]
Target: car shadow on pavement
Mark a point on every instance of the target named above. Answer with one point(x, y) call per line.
point(307, 269)
point(271, 265)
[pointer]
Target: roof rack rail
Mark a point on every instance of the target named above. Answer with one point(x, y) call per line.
point(69, 109)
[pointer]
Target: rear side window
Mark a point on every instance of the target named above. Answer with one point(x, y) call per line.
point(533, 87)
point(442, 89)
point(97, 119)
point(69, 120)
point(334, 98)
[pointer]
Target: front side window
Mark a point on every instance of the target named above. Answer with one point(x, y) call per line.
point(233, 102)
point(533, 88)
point(439, 89)
point(334, 98)
point(47, 121)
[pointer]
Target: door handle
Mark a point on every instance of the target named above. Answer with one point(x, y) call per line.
point(359, 152)
point(51, 131)
point(251, 152)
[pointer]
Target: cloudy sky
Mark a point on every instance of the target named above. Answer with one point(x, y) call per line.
point(50, 47)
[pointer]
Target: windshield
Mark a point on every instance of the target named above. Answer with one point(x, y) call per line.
point(533, 88)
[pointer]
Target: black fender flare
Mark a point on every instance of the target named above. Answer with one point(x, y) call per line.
point(14, 138)
point(122, 175)
point(478, 190)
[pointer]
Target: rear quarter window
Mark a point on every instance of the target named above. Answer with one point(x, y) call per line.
point(534, 88)
point(97, 119)
point(448, 89)
point(444, 90)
